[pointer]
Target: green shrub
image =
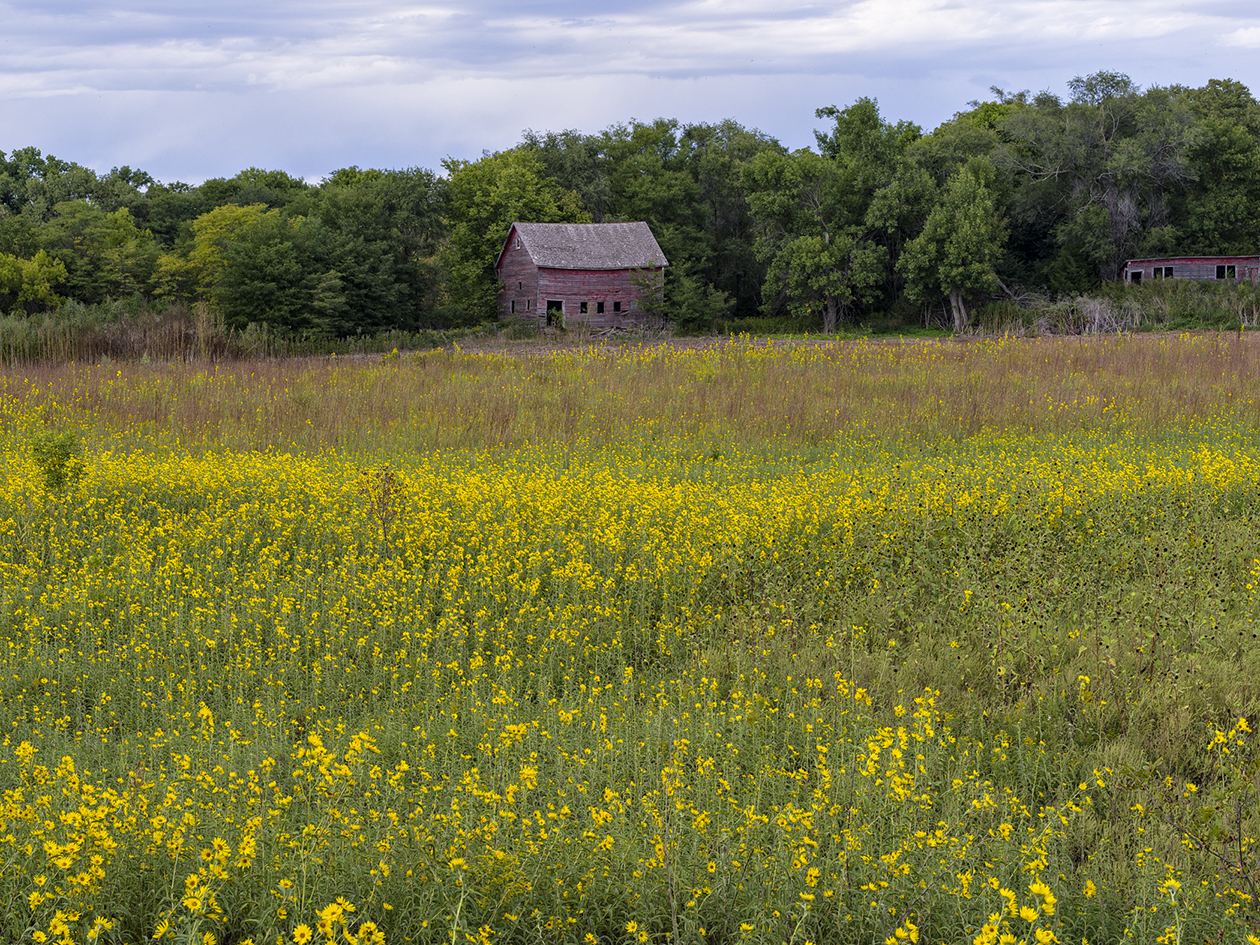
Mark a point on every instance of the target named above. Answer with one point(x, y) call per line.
point(59, 458)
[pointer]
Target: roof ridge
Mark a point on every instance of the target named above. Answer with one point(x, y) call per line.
point(626, 245)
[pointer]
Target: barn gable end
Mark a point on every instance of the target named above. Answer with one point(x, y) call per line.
point(589, 272)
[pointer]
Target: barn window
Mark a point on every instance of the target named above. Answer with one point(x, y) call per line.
point(616, 306)
point(1226, 272)
point(514, 306)
point(1162, 272)
point(519, 286)
point(583, 307)
point(599, 308)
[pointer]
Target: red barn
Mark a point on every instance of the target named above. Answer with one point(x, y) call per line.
point(593, 273)
point(1193, 267)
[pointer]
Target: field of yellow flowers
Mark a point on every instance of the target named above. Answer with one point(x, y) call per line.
point(855, 643)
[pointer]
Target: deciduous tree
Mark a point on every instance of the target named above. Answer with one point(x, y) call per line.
point(30, 285)
point(956, 254)
point(818, 259)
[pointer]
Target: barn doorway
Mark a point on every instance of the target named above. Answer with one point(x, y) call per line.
point(555, 312)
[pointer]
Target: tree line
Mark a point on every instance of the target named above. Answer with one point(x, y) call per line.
point(1020, 196)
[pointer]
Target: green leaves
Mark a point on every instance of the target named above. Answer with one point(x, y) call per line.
point(59, 459)
point(1076, 187)
point(359, 262)
point(1114, 149)
point(28, 285)
point(961, 243)
point(485, 198)
point(808, 232)
point(263, 280)
point(824, 277)
point(106, 255)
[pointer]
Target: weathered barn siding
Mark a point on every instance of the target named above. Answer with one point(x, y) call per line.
point(613, 289)
point(519, 277)
point(596, 267)
point(1211, 268)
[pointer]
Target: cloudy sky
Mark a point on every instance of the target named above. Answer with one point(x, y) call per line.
point(189, 89)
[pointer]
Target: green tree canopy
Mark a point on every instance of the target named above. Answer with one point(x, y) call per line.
point(684, 182)
point(1097, 177)
point(819, 262)
point(1220, 211)
point(106, 255)
point(856, 227)
point(957, 253)
point(382, 233)
point(30, 285)
point(485, 198)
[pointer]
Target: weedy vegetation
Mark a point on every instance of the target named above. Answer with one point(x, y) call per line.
point(865, 642)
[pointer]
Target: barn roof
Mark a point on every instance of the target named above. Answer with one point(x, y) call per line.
point(1151, 259)
point(589, 245)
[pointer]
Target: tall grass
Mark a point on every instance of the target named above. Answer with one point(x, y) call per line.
point(733, 392)
point(134, 330)
point(1166, 305)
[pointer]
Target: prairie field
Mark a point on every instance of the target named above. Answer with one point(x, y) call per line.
point(926, 642)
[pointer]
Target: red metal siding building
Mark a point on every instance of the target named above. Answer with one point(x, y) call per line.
point(591, 273)
point(1240, 268)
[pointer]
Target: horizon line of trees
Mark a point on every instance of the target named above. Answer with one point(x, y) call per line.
point(1015, 197)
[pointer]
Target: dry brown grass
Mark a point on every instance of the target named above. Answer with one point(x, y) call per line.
point(736, 391)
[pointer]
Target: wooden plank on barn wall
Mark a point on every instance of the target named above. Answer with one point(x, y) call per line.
point(519, 281)
point(614, 288)
point(1198, 268)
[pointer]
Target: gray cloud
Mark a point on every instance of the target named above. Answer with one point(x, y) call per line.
point(198, 89)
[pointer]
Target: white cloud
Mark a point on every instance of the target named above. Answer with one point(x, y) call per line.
point(1247, 37)
point(331, 45)
point(327, 82)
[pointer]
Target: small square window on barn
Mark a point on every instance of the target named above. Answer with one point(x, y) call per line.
point(1227, 272)
point(599, 308)
point(1135, 276)
point(584, 307)
point(616, 306)
point(1168, 272)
